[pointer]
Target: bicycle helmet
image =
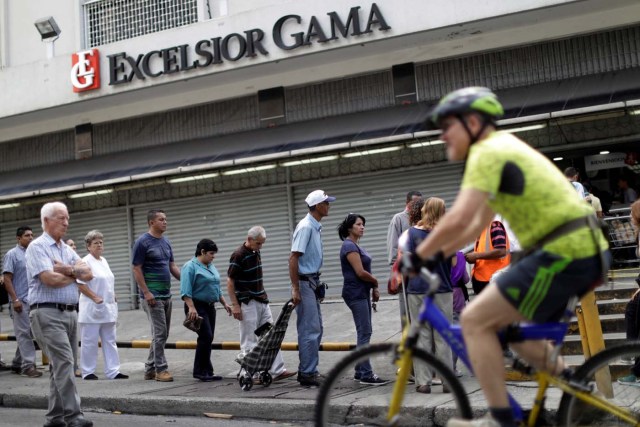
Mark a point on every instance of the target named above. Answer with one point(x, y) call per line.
point(468, 100)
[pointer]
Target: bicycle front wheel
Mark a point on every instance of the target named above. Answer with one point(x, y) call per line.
point(344, 400)
point(614, 385)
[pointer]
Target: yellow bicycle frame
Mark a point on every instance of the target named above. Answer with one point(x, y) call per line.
point(544, 380)
point(404, 364)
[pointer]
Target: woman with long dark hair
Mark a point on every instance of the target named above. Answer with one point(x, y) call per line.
point(359, 288)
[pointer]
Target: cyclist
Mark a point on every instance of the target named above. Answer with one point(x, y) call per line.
point(565, 252)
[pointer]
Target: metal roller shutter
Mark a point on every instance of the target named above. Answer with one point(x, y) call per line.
point(112, 223)
point(377, 198)
point(225, 219)
point(8, 233)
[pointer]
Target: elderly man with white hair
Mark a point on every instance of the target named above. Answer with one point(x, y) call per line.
point(250, 304)
point(53, 270)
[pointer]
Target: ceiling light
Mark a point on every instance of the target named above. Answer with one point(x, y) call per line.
point(557, 159)
point(192, 178)
point(9, 205)
point(321, 148)
point(90, 194)
point(604, 152)
point(526, 128)
point(426, 143)
point(247, 170)
point(308, 161)
point(375, 151)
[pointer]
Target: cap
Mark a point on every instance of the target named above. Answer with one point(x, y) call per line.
point(318, 196)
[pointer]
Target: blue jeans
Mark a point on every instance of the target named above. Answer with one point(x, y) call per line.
point(202, 361)
point(309, 324)
point(361, 310)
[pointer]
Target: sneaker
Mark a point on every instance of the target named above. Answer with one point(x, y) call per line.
point(164, 377)
point(31, 372)
point(150, 375)
point(283, 376)
point(373, 380)
point(630, 380)
point(308, 380)
point(458, 373)
point(627, 360)
point(425, 389)
point(91, 377)
point(486, 421)
point(357, 377)
point(121, 376)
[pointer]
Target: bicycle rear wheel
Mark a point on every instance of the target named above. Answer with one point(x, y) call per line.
point(574, 412)
point(343, 400)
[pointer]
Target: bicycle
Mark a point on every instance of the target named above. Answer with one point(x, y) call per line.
point(579, 405)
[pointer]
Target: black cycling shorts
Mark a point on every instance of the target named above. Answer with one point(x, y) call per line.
point(540, 285)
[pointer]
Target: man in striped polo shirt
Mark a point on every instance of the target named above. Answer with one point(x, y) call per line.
point(250, 304)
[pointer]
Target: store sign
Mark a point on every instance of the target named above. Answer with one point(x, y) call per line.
point(290, 32)
point(85, 70)
point(604, 161)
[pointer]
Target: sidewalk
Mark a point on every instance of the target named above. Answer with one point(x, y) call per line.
point(282, 401)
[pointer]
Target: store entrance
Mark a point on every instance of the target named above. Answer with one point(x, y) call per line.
point(611, 173)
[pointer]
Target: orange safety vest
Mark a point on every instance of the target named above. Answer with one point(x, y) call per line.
point(483, 269)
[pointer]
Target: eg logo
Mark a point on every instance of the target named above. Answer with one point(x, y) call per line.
point(85, 70)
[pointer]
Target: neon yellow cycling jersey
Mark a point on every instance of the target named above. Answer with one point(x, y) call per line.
point(530, 192)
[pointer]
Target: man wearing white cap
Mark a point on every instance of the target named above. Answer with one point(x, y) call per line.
point(304, 270)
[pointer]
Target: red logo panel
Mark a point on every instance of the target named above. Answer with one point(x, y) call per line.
point(85, 70)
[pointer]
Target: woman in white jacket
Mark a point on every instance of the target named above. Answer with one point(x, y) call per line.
point(98, 313)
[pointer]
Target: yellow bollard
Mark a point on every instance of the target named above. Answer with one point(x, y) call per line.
point(583, 333)
point(593, 329)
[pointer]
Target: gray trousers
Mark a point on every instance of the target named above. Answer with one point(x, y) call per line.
point(26, 351)
point(160, 319)
point(429, 339)
point(55, 330)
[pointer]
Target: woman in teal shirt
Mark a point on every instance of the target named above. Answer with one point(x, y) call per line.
point(200, 290)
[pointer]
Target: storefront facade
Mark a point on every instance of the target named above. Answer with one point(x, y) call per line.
point(228, 121)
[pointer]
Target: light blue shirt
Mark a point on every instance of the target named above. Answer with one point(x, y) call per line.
point(307, 239)
point(200, 282)
point(40, 256)
point(15, 263)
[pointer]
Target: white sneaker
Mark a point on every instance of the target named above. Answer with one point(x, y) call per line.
point(485, 421)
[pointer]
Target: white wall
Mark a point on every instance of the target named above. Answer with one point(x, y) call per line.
point(24, 44)
point(41, 97)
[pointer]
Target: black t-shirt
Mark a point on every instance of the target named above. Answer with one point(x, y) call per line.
point(245, 268)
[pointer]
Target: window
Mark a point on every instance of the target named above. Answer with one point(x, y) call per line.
point(108, 21)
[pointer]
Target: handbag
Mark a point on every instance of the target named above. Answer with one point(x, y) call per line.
point(394, 284)
point(4, 296)
point(193, 325)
